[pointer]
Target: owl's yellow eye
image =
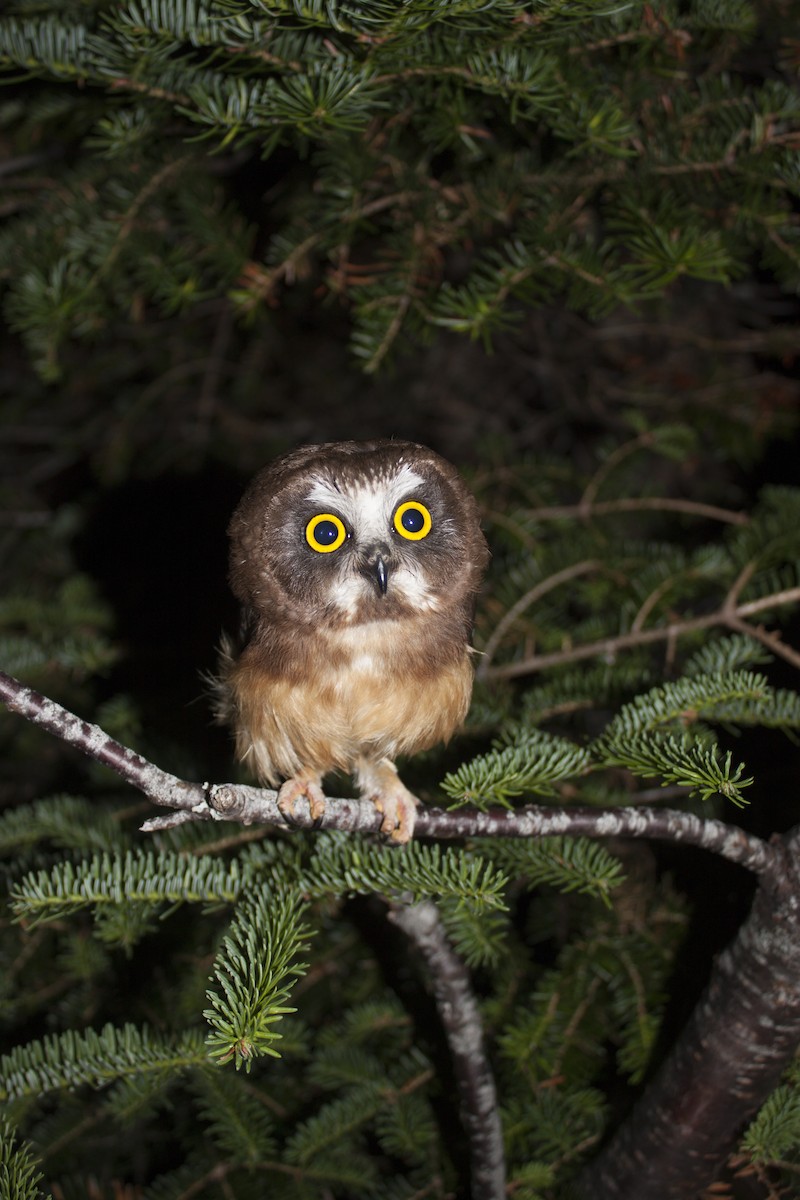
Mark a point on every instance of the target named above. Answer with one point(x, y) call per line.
point(325, 532)
point(412, 520)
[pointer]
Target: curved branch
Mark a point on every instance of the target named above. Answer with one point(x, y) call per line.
point(599, 508)
point(727, 616)
point(531, 596)
point(736, 1045)
point(259, 806)
point(660, 824)
point(461, 1021)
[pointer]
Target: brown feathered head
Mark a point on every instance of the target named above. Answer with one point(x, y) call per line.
point(357, 531)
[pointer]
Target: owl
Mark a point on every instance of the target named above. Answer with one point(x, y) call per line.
point(357, 565)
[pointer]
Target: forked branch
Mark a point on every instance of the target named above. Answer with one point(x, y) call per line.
point(727, 616)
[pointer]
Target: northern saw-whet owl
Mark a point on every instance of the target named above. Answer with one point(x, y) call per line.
point(357, 565)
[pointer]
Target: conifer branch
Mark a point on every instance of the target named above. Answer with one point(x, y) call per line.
point(458, 1011)
point(131, 216)
point(259, 806)
point(600, 508)
point(157, 785)
point(725, 615)
point(531, 596)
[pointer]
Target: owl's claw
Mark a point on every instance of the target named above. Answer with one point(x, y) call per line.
point(379, 782)
point(399, 809)
point(291, 791)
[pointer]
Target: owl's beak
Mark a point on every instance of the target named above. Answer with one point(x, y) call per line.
point(381, 574)
point(376, 568)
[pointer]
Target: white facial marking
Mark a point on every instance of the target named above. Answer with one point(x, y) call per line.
point(348, 593)
point(367, 506)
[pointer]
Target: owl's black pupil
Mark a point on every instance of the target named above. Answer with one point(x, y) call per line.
point(326, 532)
point(412, 520)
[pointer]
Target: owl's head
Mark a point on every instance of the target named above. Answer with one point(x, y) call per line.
point(356, 531)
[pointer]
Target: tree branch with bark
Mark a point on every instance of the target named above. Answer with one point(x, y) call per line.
point(259, 806)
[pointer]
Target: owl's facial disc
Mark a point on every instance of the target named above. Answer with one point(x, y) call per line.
point(378, 562)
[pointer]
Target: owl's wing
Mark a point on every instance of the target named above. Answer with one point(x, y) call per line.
point(228, 653)
point(247, 627)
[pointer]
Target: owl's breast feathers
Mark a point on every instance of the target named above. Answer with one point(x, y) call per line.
point(342, 695)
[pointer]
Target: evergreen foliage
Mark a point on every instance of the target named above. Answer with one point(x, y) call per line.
point(70, 1059)
point(253, 973)
point(142, 877)
point(342, 867)
point(526, 761)
point(19, 1173)
point(423, 169)
point(427, 126)
point(775, 1133)
point(569, 864)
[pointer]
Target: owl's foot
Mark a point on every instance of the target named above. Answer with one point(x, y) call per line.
point(399, 808)
point(380, 783)
point(291, 791)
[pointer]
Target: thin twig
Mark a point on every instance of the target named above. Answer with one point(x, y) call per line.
point(531, 596)
point(259, 806)
point(599, 508)
point(657, 594)
point(611, 646)
point(772, 641)
point(130, 217)
point(458, 1011)
point(608, 465)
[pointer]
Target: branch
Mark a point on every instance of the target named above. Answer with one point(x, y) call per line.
point(157, 785)
point(772, 641)
point(738, 1042)
point(531, 596)
point(458, 1011)
point(731, 617)
point(661, 824)
point(599, 508)
point(259, 806)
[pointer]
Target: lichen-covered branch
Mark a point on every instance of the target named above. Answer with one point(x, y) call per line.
point(158, 785)
point(458, 1011)
point(259, 806)
point(740, 1038)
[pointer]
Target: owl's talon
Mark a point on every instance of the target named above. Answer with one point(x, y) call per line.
point(399, 809)
point(291, 791)
point(289, 818)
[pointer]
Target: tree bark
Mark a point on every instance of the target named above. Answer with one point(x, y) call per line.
point(461, 1021)
point(740, 1038)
